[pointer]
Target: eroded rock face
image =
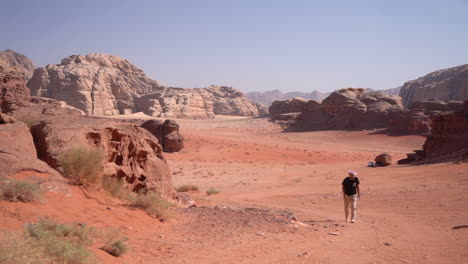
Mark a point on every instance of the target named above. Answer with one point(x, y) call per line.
point(17, 151)
point(13, 90)
point(103, 85)
point(229, 101)
point(348, 109)
point(131, 153)
point(19, 61)
point(167, 133)
point(449, 134)
point(447, 84)
point(295, 105)
point(416, 119)
point(447, 140)
point(98, 84)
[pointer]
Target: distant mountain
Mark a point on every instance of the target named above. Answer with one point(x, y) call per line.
point(19, 61)
point(266, 98)
point(392, 91)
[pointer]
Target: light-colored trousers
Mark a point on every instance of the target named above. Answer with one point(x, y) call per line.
point(350, 202)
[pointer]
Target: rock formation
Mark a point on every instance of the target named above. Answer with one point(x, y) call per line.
point(447, 84)
point(104, 85)
point(348, 109)
point(19, 61)
point(13, 90)
point(447, 140)
point(17, 151)
point(98, 84)
point(167, 133)
point(131, 152)
point(416, 119)
point(295, 105)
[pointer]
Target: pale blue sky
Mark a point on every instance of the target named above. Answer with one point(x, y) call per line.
point(253, 45)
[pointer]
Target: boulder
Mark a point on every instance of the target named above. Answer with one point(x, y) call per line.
point(383, 159)
point(131, 152)
point(13, 90)
point(447, 84)
point(348, 109)
point(18, 61)
point(167, 133)
point(17, 150)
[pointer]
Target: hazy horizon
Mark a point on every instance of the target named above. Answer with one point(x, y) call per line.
point(250, 45)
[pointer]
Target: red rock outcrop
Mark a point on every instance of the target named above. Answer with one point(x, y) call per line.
point(416, 120)
point(448, 140)
point(17, 151)
point(383, 159)
point(131, 152)
point(13, 90)
point(348, 109)
point(446, 85)
point(167, 133)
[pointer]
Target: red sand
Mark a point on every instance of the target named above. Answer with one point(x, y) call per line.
point(406, 213)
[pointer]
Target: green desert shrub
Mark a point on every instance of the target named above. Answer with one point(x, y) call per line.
point(19, 191)
point(82, 165)
point(153, 203)
point(187, 188)
point(65, 243)
point(212, 191)
point(30, 119)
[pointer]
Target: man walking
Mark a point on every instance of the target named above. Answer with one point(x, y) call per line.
point(350, 188)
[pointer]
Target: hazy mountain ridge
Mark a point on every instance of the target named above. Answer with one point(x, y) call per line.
point(268, 97)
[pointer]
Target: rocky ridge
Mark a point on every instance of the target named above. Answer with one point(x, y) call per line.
point(104, 85)
point(446, 85)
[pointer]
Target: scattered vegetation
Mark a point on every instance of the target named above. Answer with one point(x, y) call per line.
point(153, 203)
point(187, 188)
point(145, 199)
point(63, 243)
point(18, 249)
point(82, 165)
point(19, 191)
point(113, 186)
point(114, 243)
point(212, 191)
point(50, 242)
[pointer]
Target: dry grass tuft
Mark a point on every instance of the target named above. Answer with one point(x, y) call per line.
point(82, 165)
point(19, 191)
point(187, 188)
point(212, 191)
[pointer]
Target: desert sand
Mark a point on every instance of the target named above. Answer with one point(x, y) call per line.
point(280, 201)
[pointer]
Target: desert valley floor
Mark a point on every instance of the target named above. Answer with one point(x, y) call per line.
point(280, 201)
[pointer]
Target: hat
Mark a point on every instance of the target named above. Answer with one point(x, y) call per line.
point(351, 172)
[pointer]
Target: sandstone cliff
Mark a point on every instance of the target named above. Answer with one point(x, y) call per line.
point(103, 85)
point(447, 84)
point(14, 59)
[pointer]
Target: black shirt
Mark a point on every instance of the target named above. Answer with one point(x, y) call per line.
point(350, 185)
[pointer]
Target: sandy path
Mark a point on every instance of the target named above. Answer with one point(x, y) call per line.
point(406, 214)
